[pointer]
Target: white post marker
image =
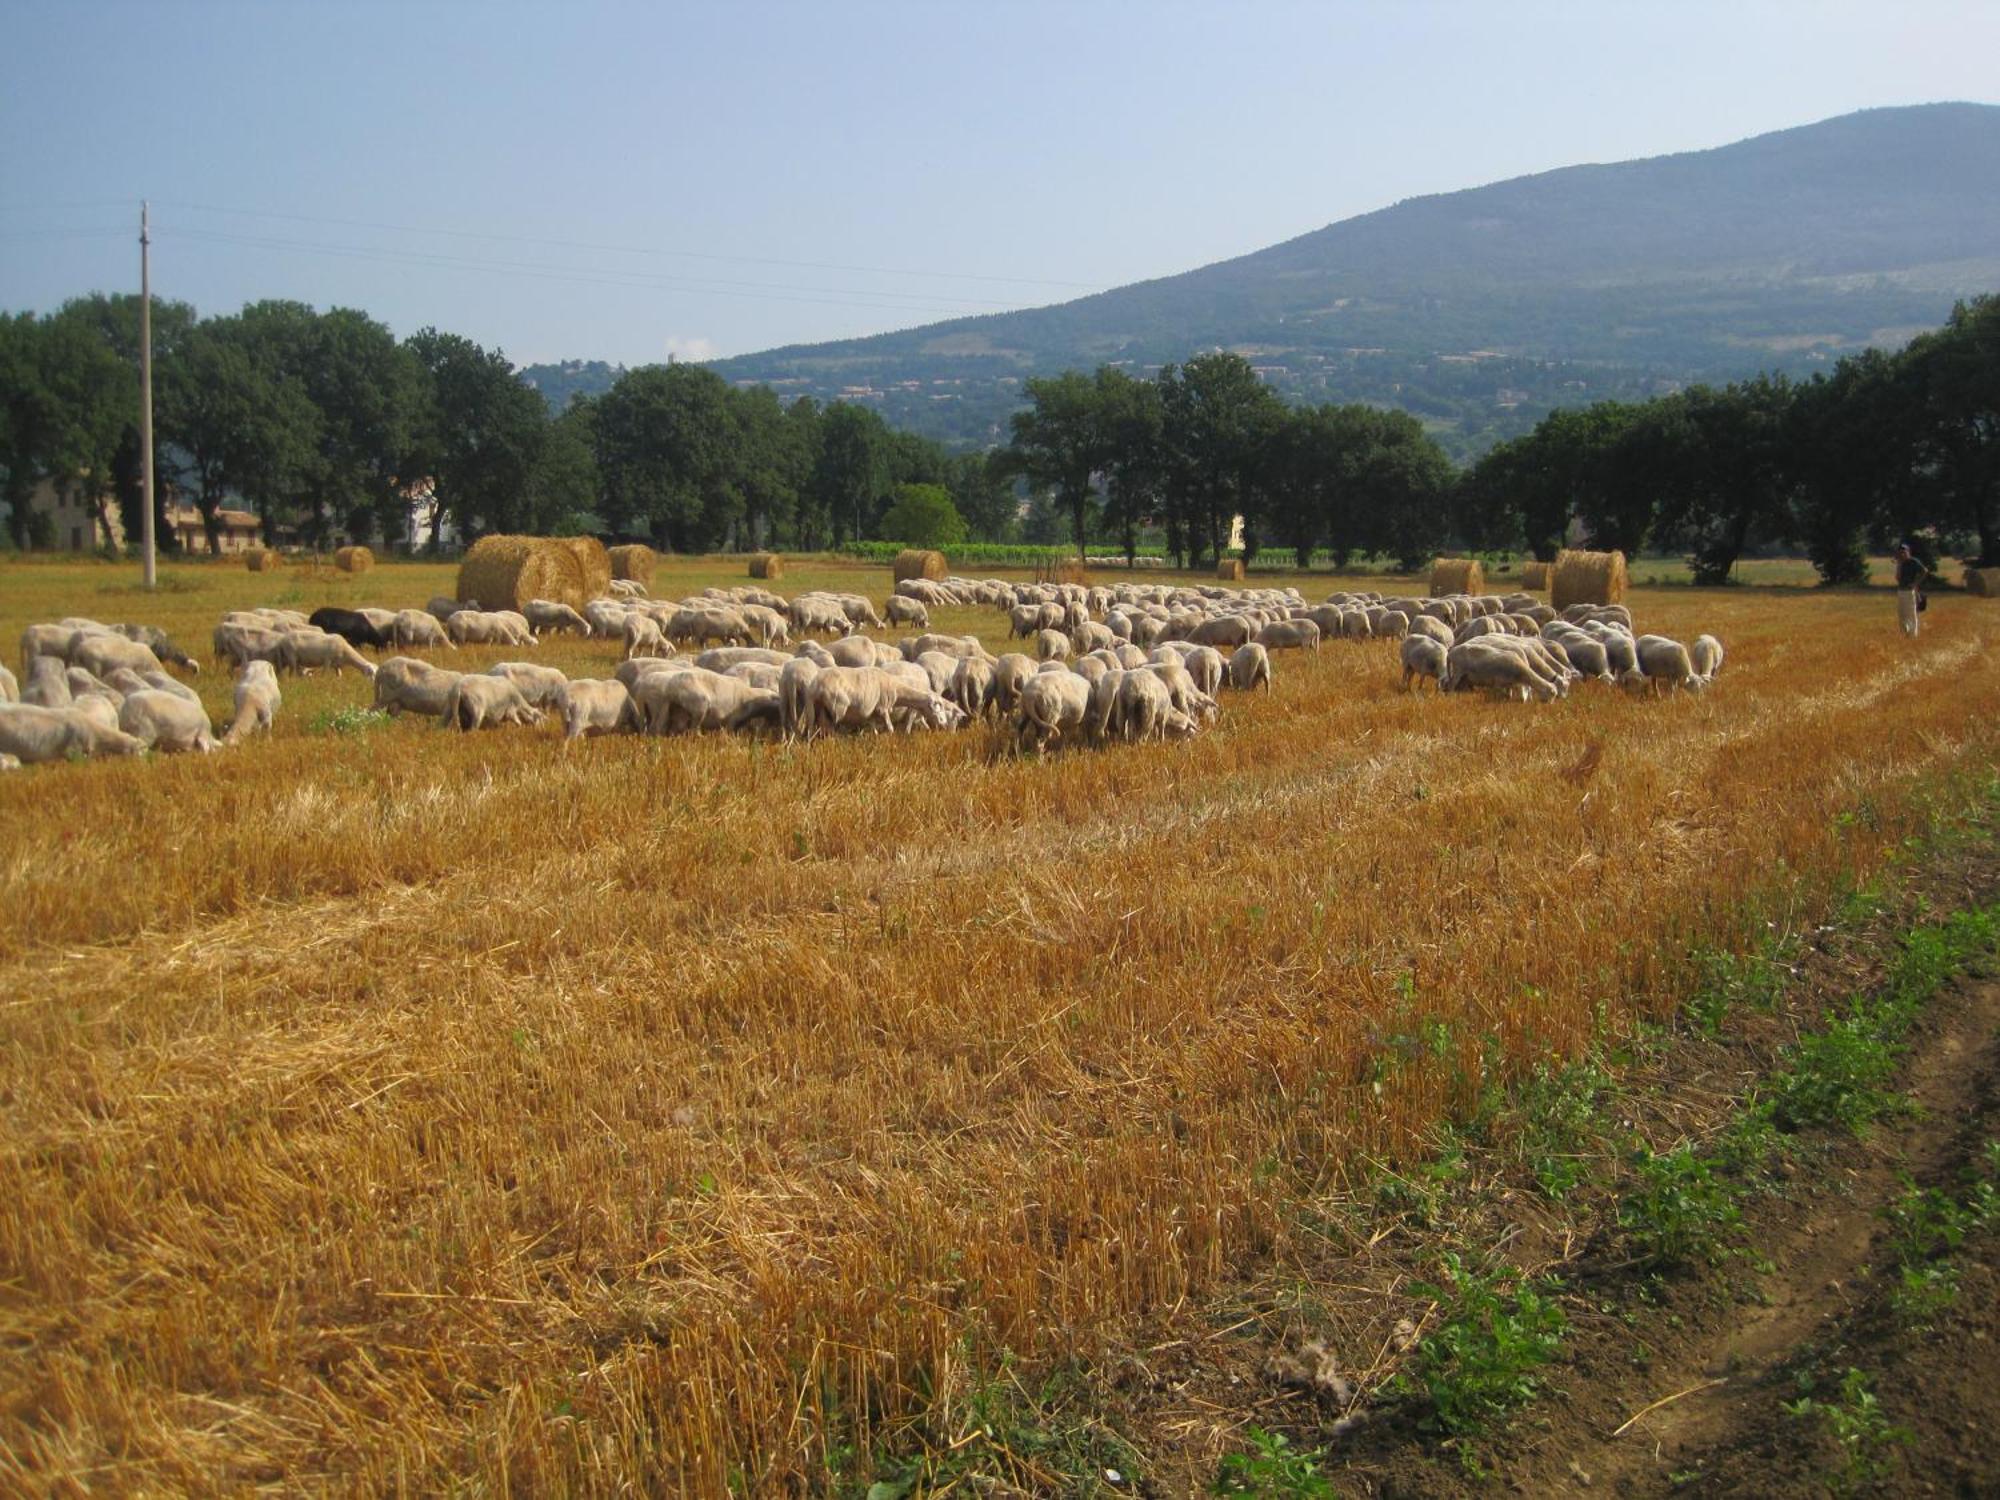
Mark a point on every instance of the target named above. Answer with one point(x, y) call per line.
point(146, 394)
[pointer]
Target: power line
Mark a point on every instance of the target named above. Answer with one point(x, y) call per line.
point(759, 260)
point(827, 296)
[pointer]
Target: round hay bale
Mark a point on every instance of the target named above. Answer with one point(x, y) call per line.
point(259, 559)
point(767, 565)
point(914, 562)
point(1457, 575)
point(505, 572)
point(594, 562)
point(1535, 575)
point(353, 559)
point(1983, 583)
point(1230, 569)
point(635, 561)
point(1587, 578)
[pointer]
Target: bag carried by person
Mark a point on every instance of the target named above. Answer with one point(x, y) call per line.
point(1923, 600)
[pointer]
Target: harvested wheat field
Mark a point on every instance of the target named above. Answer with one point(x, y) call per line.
point(388, 1109)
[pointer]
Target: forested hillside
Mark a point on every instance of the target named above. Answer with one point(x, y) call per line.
point(1480, 311)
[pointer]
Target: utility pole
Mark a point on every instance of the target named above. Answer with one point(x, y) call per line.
point(146, 390)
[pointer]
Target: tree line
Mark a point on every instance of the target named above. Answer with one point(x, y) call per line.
point(1884, 445)
point(324, 423)
point(321, 422)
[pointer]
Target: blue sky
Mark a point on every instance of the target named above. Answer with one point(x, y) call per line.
point(621, 182)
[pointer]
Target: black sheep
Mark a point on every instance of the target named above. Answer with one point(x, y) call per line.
point(351, 627)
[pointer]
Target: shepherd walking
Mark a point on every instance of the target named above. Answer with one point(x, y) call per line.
point(1910, 575)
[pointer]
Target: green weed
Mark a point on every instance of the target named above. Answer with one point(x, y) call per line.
point(1482, 1360)
point(1855, 1420)
point(1273, 1469)
point(350, 719)
point(1679, 1208)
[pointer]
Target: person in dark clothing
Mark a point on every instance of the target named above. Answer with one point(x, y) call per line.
point(1910, 575)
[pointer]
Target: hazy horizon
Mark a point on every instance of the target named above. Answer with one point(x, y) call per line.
point(625, 184)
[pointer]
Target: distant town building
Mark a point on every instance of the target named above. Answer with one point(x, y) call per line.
point(235, 530)
point(71, 522)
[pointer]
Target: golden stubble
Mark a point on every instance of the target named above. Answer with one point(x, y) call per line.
point(390, 1108)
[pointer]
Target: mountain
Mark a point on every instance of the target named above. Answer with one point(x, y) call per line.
point(562, 383)
point(1482, 309)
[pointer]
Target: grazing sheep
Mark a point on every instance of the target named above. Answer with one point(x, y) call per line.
point(1431, 627)
point(643, 637)
point(407, 684)
point(1250, 665)
point(161, 643)
point(82, 682)
point(860, 613)
point(478, 701)
point(441, 609)
point(1010, 674)
point(696, 699)
point(1423, 656)
point(499, 627)
point(1102, 716)
point(722, 658)
point(951, 645)
point(1485, 663)
point(592, 706)
point(767, 626)
point(48, 684)
point(972, 686)
point(1206, 666)
point(1144, 702)
point(537, 684)
point(1051, 645)
point(1620, 654)
point(1290, 635)
point(34, 735)
point(413, 627)
point(46, 640)
point(102, 654)
point(795, 680)
point(553, 617)
point(351, 626)
point(1052, 703)
point(939, 668)
point(237, 644)
point(1091, 636)
point(901, 611)
point(850, 698)
point(700, 626)
point(1223, 630)
point(257, 701)
point(10, 690)
point(305, 650)
point(1706, 656)
point(1666, 665)
point(818, 614)
point(161, 721)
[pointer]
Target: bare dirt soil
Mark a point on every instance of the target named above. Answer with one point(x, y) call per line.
point(1665, 1384)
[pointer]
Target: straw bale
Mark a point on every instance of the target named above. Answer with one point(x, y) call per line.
point(1457, 575)
point(635, 561)
point(1230, 569)
point(1587, 578)
point(1983, 583)
point(260, 559)
point(914, 562)
point(767, 565)
point(594, 562)
point(505, 572)
point(353, 559)
point(1535, 575)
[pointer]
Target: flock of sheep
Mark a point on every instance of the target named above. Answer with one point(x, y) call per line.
point(1132, 662)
